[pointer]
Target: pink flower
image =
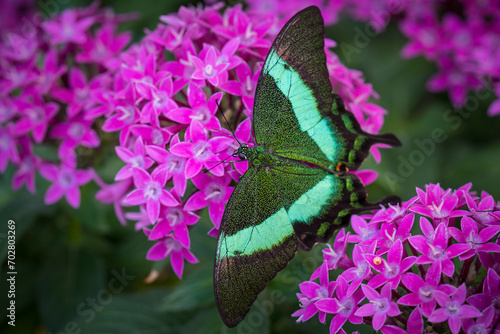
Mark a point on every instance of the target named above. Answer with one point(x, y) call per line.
point(8, 148)
point(50, 72)
point(78, 94)
point(201, 110)
point(380, 305)
point(68, 28)
point(28, 165)
point(76, 131)
point(35, 117)
point(134, 159)
point(141, 217)
point(452, 78)
point(391, 233)
point(360, 270)
point(161, 101)
point(208, 68)
point(214, 193)
point(237, 23)
point(123, 117)
point(453, 309)
point(66, 181)
point(335, 256)
point(490, 298)
point(365, 233)
point(169, 246)
point(175, 219)
point(436, 251)
point(245, 86)
point(423, 291)
point(150, 190)
point(478, 240)
point(201, 151)
point(435, 202)
point(428, 252)
point(174, 165)
point(114, 194)
point(312, 292)
point(391, 269)
point(344, 306)
point(104, 48)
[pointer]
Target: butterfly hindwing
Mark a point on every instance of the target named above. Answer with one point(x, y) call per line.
point(318, 202)
point(270, 213)
point(256, 241)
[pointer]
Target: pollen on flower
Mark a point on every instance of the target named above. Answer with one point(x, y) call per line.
point(213, 192)
point(426, 293)
point(76, 130)
point(66, 179)
point(377, 261)
point(152, 191)
point(174, 216)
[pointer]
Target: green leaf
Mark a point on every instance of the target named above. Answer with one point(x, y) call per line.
point(16, 209)
point(69, 279)
point(133, 313)
point(193, 292)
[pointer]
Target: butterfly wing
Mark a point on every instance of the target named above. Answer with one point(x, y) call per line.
point(256, 241)
point(271, 212)
point(318, 202)
point(276, 209)
point(296, 115)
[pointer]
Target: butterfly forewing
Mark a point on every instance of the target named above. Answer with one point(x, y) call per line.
point(296, 115)
point(294, 92)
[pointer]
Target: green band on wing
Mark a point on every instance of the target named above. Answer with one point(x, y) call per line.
point(277, 227)
point(312, 202)
point(268, 234)
point(309, 119)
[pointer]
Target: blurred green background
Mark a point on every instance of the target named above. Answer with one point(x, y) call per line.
point(80, 271)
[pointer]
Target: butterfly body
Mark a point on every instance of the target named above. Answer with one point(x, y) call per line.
point(298, 189)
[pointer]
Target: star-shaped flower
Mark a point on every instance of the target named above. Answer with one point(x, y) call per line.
point(436, 251)
point(380, 305)
point(150, 190)
point(391, 269)
point(311, 293)
point(453, 309)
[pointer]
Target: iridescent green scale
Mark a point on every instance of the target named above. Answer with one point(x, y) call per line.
point(297, 190)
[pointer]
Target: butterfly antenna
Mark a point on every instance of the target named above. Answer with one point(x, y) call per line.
point(218, 163)
point(227, 122)
point(220, 131)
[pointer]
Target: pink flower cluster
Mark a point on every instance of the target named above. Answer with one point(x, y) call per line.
point(461, 37)
point(69, 77)
point(163, 101)
point(399, 281)
point(53, 75)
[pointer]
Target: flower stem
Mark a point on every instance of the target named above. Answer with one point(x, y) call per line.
point(465, 270)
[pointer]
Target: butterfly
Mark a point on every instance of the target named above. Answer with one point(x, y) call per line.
point(297, 190)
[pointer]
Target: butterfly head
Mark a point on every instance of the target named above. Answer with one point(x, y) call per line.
point(242, 152)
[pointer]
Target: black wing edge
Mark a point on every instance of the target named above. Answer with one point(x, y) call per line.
point(356, 133)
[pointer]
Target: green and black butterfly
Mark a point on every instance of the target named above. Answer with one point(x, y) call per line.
point(297, 190)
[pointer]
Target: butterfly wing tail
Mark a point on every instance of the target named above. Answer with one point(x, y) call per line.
point(357, 141)
point(368, 206)
point(383, 138)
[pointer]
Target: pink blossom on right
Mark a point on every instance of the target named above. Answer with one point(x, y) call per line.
point(442, 275)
